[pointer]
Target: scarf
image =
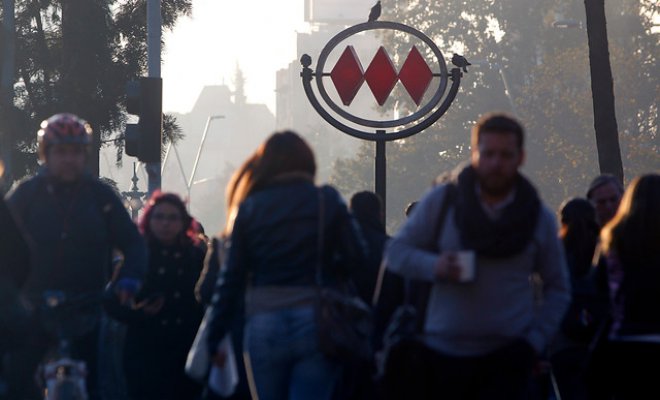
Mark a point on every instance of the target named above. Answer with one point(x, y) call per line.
point(504, 237)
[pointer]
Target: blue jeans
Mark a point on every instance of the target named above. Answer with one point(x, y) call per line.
point(284, 357)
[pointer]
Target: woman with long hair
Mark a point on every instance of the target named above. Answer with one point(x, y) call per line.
point(579, 235)
point(631, 241)
point(269, 276)
point(162, 324)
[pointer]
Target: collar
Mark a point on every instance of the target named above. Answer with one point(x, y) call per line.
point(494, 211)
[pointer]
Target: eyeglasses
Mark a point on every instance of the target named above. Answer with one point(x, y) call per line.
point(166, 217)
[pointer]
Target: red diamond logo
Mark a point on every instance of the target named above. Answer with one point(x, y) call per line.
point(347, 75)
point(381, 76)
point(415, 75)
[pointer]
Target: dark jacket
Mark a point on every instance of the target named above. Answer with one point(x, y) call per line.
point(209, 275)
point(365, 278)
point(74, 227)
point(14, 250)
point(159, 343)
point(172, 274)
point(14, 269)
point(274, 243)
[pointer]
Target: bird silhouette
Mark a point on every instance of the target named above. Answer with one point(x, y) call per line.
point(305, 60)
point(375, 12)
point(460, 62)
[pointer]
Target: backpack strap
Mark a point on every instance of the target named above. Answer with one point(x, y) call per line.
point(417, 292)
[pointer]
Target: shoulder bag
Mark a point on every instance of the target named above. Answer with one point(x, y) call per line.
point(408, 319)
point(345, 322)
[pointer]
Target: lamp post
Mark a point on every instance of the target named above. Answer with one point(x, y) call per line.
point(134, 196)
point(191, 181)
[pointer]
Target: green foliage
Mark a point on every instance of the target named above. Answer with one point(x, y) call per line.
point(77, 56)
point(535, 71)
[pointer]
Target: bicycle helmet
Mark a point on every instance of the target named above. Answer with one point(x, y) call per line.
point(64, 129)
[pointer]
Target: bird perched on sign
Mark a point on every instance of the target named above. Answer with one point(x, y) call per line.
point(375, 12)
point(305, 60)
point(460, 62)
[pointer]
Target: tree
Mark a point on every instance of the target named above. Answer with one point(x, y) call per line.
point(607, 140)
point(76, 56)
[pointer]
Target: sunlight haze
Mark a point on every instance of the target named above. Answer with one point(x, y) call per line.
point(204, 49)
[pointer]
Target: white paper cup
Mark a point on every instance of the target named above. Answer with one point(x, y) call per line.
point(466, 260)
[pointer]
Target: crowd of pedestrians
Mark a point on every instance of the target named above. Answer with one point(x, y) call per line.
point(505, 298)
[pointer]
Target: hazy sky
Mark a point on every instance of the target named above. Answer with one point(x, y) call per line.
point(205, 48)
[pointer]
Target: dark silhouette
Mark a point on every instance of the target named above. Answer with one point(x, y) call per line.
point(602, 88)
point(579, 234)
point(374, 13)
point(604, 193)
point(306, 60)
point(460, 62)
point(14, 271)
point(631, 241)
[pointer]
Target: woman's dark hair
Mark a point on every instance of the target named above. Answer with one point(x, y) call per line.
point(282, 153)
point(579, 233)
point(189, 233)
point(633, 235)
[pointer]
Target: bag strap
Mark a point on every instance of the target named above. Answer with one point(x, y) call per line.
point(417, 292)
point(320, 239)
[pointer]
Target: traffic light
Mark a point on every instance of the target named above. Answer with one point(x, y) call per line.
point(144, 98)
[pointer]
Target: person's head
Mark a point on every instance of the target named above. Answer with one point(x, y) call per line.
point(579, 232)
point(605, 193)
point(283, 153)
point(367, 207)
point(497, 152)
point(64, 144)
point(167, 221)
point(634, 231)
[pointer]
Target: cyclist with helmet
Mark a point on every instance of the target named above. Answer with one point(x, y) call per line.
point(74, 221)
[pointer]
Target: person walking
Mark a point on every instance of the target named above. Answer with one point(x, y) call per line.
point(631, 241)
point(274, 218)
point(589, 306)
point(74, 221)
point(484, 325)
point(162, 324)
point(14, 270)
point(604, 193)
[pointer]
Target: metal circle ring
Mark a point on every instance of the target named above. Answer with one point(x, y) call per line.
point(416, 116)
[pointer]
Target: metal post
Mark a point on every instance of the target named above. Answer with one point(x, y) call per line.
point(7, 83)
point(153, 65)
point(381, 169)
point(134, 196)
point(199, 153)
point(507, 88)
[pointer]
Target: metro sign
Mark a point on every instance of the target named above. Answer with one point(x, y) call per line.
point(381, 76)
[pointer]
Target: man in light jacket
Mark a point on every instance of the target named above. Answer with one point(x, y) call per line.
point(486, 320)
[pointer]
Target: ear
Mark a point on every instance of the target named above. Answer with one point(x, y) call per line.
point(474, 155)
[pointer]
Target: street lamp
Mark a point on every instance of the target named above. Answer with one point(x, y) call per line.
point(191, 181)
point(567, 24)
point(134, 196)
